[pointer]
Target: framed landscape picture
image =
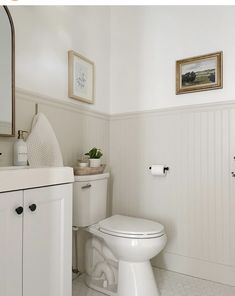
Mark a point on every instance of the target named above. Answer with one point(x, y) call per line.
point(81, 78)
point(199, 73)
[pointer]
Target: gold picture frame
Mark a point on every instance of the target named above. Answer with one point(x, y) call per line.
point(199, 73)
point(81, 78)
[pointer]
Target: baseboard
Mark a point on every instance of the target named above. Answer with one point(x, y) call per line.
point(211, 271)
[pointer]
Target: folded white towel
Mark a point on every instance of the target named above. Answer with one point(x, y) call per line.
point(43, 146)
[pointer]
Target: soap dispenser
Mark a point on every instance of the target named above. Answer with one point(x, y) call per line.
point(20, 150)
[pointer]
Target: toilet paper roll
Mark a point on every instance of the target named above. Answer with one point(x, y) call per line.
point(158, 170)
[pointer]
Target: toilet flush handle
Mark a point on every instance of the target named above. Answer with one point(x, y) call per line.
point(86, 186)
point(233, 174)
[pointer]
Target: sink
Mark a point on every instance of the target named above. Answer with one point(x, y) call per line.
point(19, 177)
point(13, 168)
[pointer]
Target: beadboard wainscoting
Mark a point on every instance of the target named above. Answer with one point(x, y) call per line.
point(196, 200)
point(77, 128)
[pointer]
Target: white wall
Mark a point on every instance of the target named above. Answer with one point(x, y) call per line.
point(148, 40)
point(43, 37)
point(135, 57)
point(195, 201)
point(44, 34)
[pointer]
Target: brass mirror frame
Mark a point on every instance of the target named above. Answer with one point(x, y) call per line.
point(12, 73)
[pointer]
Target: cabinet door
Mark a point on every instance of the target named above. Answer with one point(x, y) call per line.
point(47, 237)
point(11, 243)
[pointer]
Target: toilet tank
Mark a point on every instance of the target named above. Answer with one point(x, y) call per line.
point(89, 199)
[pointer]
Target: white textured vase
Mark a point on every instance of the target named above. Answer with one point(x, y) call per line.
point(95, 162)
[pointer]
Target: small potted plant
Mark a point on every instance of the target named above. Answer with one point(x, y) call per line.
point(95, 155)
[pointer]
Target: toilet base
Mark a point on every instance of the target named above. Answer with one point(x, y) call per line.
point(98, 285)
point(136, 279)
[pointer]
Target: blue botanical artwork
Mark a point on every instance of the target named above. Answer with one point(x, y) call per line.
point(81, 78)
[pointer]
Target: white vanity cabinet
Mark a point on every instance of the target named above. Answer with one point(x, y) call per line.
point(47, 246)
point(35, 241)
point(11, 243)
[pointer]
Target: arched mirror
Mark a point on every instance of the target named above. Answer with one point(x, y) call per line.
point(7, 73)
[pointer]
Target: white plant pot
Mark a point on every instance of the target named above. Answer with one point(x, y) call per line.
point(95, 162)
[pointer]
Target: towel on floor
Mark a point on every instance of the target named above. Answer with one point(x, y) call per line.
point(42, 144)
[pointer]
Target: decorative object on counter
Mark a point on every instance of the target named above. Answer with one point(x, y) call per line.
point(20, 150)
point(199, 73)
point(95, 155)
point(83, 161)
point(83, 164)
point(81, 78)
point(43, 146)
point(81, 171)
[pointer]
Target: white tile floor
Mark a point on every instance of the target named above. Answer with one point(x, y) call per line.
point(170, 284)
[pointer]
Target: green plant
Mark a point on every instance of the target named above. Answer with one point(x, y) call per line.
point(94, 153)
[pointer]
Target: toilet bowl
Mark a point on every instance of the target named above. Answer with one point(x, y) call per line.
point(134, 242)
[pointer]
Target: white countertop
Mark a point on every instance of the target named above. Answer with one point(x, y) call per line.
point(18, 178)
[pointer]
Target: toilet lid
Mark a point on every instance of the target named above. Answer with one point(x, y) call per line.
point(125, 226)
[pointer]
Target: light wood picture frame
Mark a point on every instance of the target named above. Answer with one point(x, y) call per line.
point(204, 72)
point(81, 78)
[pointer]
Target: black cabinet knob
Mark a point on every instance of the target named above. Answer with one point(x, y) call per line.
point(19, 210)
point(32, 207)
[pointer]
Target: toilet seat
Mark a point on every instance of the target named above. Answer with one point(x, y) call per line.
point(130, 227)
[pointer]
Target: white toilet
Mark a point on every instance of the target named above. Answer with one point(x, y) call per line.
point(133, 241)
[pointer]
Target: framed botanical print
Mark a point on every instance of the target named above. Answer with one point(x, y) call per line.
point(81, 84)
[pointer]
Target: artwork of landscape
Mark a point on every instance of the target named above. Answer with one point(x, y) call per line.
point(197, 73)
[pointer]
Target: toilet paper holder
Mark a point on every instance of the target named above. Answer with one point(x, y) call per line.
point(166, 168)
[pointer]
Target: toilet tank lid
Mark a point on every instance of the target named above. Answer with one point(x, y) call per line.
point(130, 225)
point(86, 178)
